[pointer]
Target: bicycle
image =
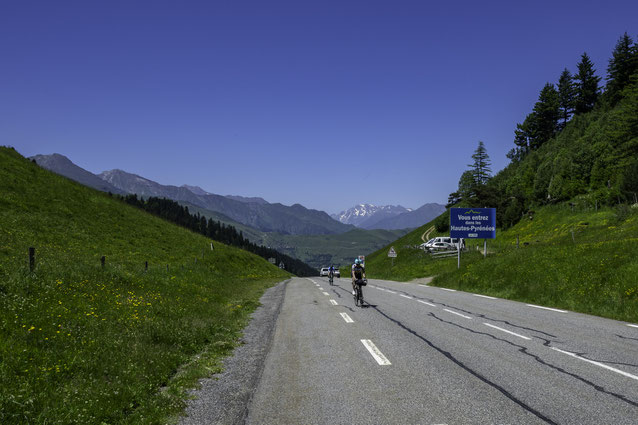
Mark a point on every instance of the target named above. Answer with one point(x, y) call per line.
point(358, 292)
point(330, 278)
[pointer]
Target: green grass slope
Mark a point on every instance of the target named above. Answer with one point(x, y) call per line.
point(574, 258)
point(86, 344)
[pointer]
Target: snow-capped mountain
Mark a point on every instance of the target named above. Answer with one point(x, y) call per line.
point(367, 215)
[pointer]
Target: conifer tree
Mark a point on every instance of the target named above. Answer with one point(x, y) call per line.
point(587, 89)
point(623, 63)
point(546, 115)
point(566, 96)
point(481, 171)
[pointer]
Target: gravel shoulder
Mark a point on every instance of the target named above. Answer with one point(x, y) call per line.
point(225, 397)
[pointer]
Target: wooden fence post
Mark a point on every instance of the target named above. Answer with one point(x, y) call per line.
point(145, 266)
point(31, 258)
point(103, 260)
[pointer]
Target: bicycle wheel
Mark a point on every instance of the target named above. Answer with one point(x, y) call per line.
point(356, 298)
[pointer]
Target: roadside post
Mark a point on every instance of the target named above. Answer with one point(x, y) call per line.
point(472, 223)
point(392, 254)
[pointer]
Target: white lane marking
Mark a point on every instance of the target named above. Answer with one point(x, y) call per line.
point(333, 302)
point(392, 292)
point(547, 308)
point(427, 303)
point(484, 296)
point(506, 331)
point(406, 296)
point(458, 314)
point(628, 375)
point(633, 326)
point(378, 355)
point(346, 318)
point(325, 293)
point(447, 289)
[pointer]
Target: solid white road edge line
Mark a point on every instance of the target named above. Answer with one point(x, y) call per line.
point(547, 308)
point(406, 296)
point(628, 375)
point(506, 331)
point(426, 303)
point(346, 318)
point(633, 326)
point(333, 302)
point(325, 293)
point(378, 355)
point(485, 296)
point(447, 289)
point(458, 314)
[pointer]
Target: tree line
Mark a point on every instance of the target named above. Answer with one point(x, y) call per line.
point(216, 230)
point(593, 152)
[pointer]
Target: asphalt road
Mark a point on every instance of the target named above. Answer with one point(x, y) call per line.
point(424, 355)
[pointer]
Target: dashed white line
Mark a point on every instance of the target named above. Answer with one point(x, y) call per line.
point(346, 318)
point(320, 288)
point(406, 296)
point(484, 296)
point(427, 303)
point(325, 293)
point(333, 302)
point(633, 326)
point(628, 375)
point(547, 308)
point(378, 355)
point(458, 314)
point(506, 331)
point(392, 292)
point(447, 289)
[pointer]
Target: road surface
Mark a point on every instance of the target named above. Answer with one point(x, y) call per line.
point(425, 355)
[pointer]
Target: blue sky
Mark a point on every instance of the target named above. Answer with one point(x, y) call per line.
point(324, 103)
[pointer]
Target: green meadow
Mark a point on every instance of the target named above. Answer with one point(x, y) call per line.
point(86, 343)
point(577, 257)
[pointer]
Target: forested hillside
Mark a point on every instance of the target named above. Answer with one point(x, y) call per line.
point(580, 141)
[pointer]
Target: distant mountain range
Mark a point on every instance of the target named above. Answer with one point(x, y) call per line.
point(62, 165)
point(389, 217)
point(253, 212)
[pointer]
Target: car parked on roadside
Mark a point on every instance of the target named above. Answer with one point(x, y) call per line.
point(325, 271)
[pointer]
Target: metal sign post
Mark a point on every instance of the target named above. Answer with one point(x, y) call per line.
point(392, 254)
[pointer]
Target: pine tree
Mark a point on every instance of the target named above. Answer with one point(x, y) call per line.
point(481, 171)
point(622, 65)
point(587, 89)
point(546, 114)
point(566, 96)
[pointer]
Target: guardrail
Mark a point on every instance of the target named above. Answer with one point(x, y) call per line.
point(443, 254)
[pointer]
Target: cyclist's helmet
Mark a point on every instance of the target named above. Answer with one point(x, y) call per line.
point(357, 261)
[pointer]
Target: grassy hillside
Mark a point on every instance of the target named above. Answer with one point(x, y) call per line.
point(81, 343)
point(571, 257)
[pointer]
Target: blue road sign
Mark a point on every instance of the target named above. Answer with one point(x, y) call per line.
point(473, 223)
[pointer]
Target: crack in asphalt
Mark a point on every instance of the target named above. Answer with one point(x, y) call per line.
point(521, 349)
point(462, 365)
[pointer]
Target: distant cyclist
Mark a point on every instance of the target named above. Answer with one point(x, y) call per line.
point(331, 273)
point(358, 272)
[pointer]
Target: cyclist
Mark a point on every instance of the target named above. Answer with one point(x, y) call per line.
point(358, 272)
point(331, 273)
